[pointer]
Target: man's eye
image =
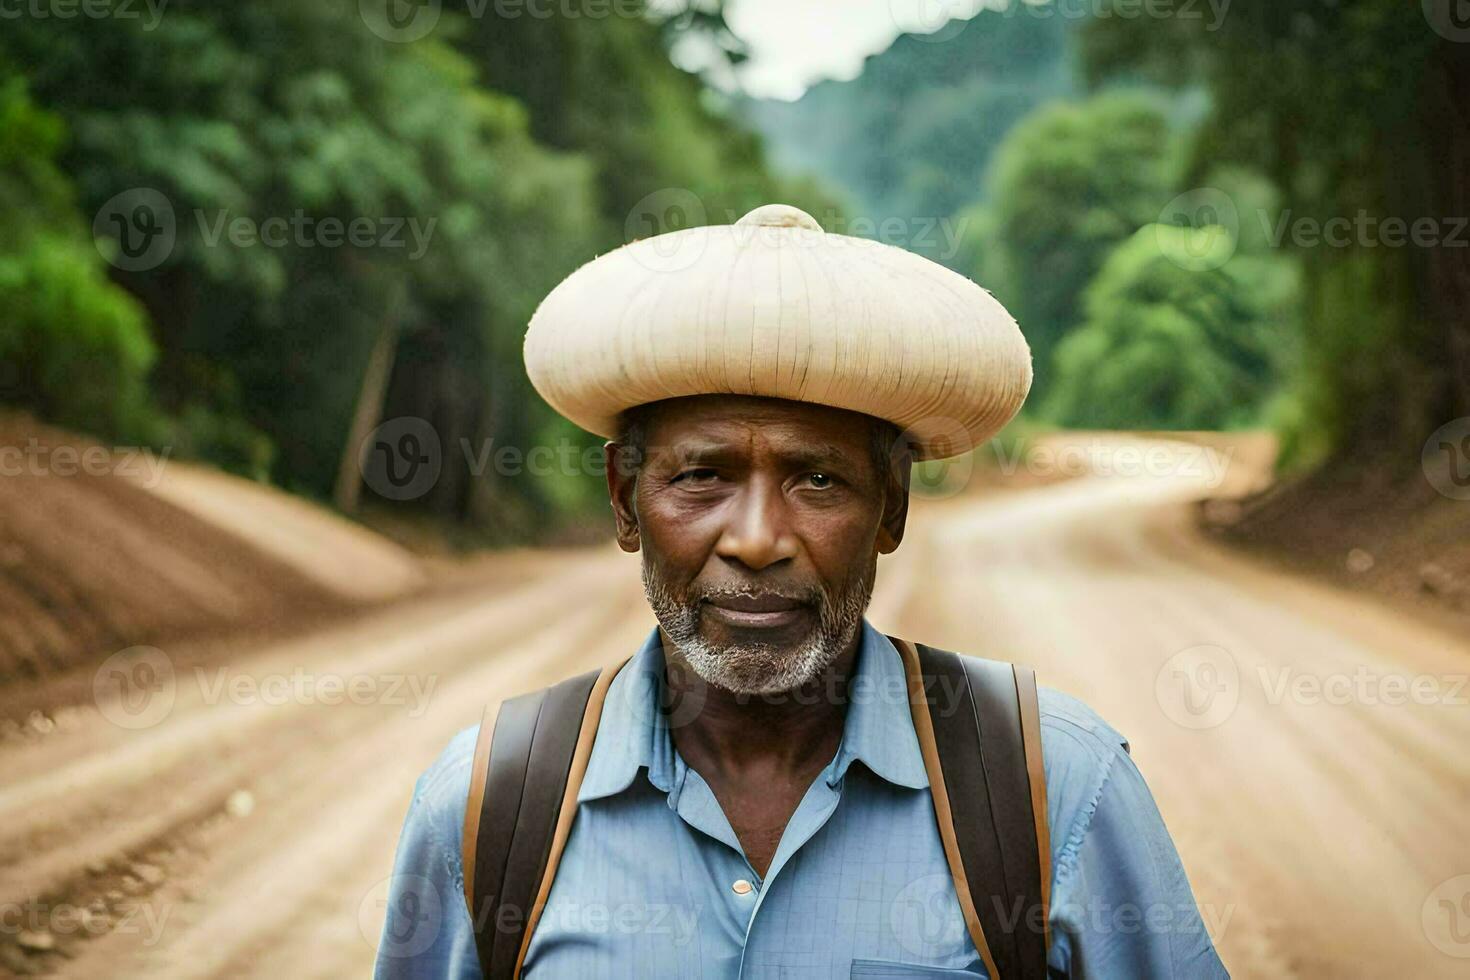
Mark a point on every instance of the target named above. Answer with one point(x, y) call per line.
point(821, 480)
point(696, 475)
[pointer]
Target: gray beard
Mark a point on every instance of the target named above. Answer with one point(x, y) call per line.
point(761, 668)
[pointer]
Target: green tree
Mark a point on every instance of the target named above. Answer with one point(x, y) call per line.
point(604, 88)
point(1350, 108)
point(1069, 183)
point(299, 113)
point(1177, 334)
point(74, 348)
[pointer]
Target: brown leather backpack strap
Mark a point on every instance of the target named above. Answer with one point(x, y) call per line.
point(586, 737)
point(489, 828)
point(968, 713)
point(474, 806)
point(921, 696)
point(1027, 698)
point(518, 814)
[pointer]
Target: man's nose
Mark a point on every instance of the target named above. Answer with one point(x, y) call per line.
point(758, 532)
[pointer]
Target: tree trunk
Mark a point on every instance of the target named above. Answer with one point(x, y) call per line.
point(368, 413)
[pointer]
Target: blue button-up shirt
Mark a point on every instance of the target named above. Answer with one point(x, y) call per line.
point(654, 882)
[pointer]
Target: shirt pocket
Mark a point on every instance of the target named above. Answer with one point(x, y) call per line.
point(890, 970)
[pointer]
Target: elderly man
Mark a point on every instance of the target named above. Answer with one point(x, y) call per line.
point(770, 786)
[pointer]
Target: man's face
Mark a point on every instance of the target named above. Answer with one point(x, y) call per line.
point(760, 521)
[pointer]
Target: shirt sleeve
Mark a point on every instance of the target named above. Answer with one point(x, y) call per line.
point(1121, 904)
point(426, 934)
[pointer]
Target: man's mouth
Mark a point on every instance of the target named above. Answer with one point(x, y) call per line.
point(761, 611)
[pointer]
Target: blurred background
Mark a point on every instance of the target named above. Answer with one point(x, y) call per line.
point(280, 512)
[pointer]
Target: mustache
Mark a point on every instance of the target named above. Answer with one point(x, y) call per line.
point(805, 595)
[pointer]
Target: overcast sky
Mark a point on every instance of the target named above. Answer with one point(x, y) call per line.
point(795, 43)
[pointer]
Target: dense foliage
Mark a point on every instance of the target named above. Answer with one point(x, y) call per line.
point(1070, 183)
point(1176, 333)
point(1358, 112)
point(73, 346)
point(346, 224)
point(252, 231)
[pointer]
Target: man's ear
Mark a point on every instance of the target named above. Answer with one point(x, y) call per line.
point(622, 483)
point(895, 499)
point(895, 517)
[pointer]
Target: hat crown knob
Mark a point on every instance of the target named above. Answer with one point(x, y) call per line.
point(779, 216)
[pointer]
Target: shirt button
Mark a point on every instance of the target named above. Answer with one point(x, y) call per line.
point(742, 887)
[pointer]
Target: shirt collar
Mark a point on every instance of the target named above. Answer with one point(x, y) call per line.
point(634, 734)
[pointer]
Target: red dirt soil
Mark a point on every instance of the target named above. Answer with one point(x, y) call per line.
point(151, 572)
point(1362, 527)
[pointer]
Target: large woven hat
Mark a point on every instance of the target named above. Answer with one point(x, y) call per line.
point(774, 306)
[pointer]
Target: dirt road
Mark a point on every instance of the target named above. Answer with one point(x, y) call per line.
point(240, 822)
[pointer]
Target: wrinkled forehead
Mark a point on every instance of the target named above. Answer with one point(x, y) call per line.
point(734, 421)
